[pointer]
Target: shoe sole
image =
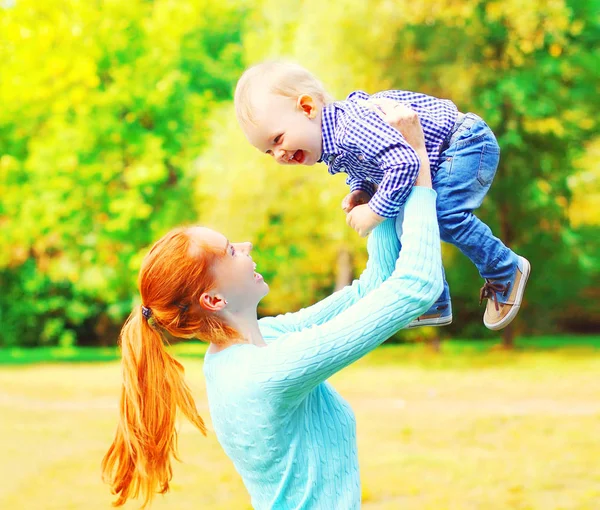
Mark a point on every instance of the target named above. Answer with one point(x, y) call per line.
point(437, 321)
point(518, 300)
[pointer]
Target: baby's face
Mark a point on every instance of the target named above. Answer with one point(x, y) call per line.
point(287, 129)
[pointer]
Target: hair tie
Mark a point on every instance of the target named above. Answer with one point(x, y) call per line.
point(146, 312)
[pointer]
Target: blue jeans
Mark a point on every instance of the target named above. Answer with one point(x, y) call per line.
point(468, 162)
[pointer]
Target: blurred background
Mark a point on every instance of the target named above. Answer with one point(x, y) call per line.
point(117, 124)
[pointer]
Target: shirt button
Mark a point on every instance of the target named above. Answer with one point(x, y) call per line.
point(361, 157)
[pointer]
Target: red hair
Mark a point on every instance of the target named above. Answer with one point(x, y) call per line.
point(173, 276)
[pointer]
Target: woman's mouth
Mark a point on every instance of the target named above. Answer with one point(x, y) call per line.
point(258, 277)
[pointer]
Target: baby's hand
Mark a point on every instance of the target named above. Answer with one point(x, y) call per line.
point(363, 219)
point(351, 200)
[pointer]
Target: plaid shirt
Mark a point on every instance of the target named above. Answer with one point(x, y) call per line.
point(356, 140)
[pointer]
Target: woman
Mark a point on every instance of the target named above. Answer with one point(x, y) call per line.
point(289, 434)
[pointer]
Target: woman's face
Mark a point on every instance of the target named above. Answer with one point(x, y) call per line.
point(235, 276)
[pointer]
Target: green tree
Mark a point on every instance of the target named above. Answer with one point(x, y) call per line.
point(117, 124)
point(104, 109)
point(529, 69)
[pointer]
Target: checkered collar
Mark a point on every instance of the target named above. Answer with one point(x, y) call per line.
point(328, 125)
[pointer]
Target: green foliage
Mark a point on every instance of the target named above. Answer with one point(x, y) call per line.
point(104, 114)
point(117, 125)
point(531, 72)
point(467, 350)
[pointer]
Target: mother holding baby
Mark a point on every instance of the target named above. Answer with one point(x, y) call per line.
point(290, 435)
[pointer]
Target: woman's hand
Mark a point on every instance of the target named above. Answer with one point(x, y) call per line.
point(407, 122)
point(403, 119)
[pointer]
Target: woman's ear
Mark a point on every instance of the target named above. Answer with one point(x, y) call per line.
point(308, 106)
point(211, 303)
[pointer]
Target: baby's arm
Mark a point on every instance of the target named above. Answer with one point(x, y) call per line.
point(382, 141)
point(406, 121)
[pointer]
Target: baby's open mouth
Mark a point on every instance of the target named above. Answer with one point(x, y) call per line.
point(298, 156)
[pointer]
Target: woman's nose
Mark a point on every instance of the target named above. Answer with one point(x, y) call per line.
point(247, 247)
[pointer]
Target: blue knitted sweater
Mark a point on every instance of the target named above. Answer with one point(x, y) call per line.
point(290, 435)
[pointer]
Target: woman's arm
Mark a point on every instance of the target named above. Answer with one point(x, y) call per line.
point(297, 362)
point(382, 245)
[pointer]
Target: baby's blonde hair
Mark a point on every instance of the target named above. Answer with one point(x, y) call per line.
point(278, 77)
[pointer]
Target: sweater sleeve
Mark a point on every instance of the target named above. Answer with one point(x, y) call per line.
point(292, 366)
point(383, 247)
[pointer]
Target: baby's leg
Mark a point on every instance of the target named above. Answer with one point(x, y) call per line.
point(463, 179)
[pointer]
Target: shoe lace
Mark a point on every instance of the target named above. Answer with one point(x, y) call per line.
point(490, 290)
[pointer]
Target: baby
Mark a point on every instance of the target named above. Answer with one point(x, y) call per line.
point(285, 112)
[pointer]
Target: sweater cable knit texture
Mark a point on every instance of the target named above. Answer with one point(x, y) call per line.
point(290, 435)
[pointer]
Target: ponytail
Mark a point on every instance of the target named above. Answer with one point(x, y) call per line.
point(139, 459)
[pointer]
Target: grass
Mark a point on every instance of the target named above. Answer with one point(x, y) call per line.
point(188, 349)
point(24, 356)
point(470, 428)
